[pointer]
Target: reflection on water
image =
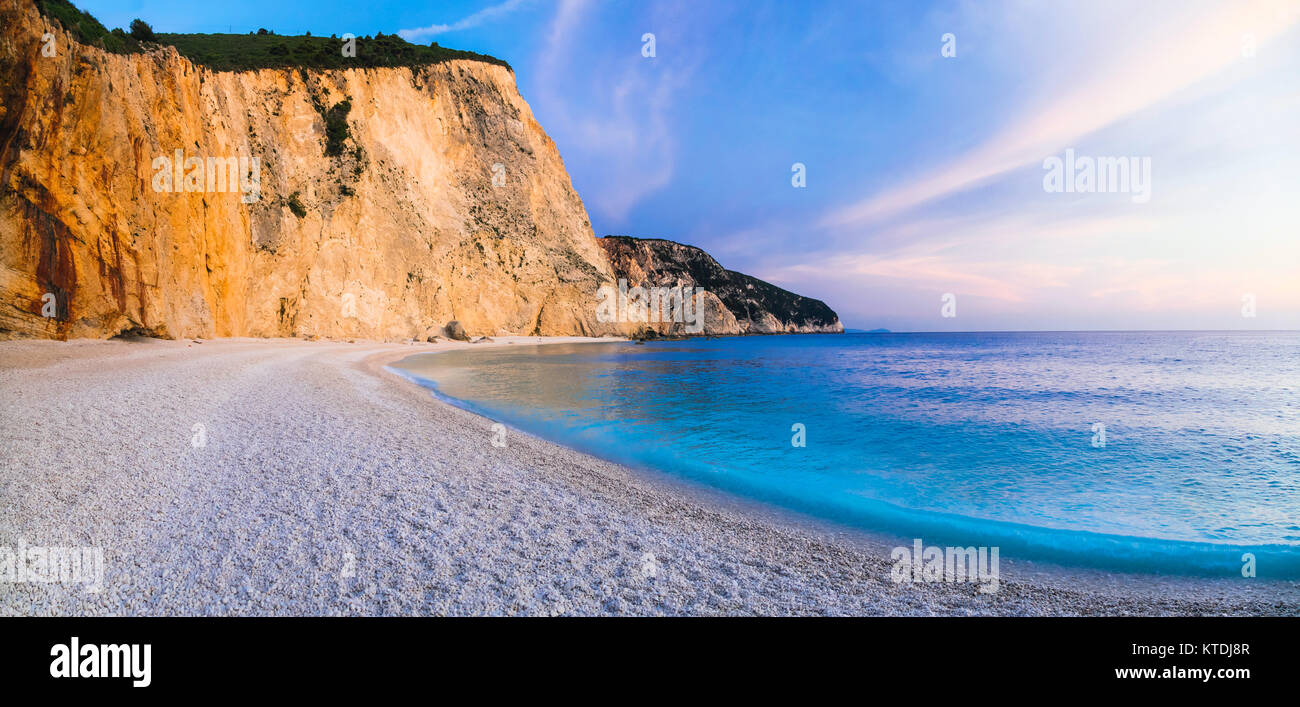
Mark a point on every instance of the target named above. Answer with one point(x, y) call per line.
point(980, 438)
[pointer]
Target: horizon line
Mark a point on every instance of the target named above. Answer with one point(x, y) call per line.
point(855, 330)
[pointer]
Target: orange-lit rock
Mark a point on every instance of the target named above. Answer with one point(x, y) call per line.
point(399, 234)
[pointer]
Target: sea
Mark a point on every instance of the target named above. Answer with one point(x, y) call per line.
point(1163, 452)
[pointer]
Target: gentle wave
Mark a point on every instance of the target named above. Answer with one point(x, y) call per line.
point(969, 439)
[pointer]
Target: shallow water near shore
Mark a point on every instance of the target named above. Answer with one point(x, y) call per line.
point(982, 439)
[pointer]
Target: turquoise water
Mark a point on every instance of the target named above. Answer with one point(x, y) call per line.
point(984, 439)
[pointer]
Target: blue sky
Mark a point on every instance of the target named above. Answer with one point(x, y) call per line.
point(924, 172)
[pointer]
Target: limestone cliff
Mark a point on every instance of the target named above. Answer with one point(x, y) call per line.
point(734, 303)
point(374, 211)
point(145, 193)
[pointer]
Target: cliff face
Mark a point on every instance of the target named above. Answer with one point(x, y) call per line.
point(143, 193)
point(732, 302)
point(388, 231)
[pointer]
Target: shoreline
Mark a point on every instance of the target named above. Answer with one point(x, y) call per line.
point(436, 520)
point(1048, 575)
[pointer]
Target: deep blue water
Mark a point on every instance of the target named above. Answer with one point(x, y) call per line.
point(982, 439)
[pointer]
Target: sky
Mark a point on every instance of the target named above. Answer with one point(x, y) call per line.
point(926, 132)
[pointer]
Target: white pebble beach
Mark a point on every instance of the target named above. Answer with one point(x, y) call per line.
point(326, 484)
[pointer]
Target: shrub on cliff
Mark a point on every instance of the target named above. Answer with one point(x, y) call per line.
point(264, 50)
point(85, 28)
point(336, 127)
point(246, 52)
point(295, 205)
point(141, 31)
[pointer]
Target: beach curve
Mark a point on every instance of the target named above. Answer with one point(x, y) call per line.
point(327, 484)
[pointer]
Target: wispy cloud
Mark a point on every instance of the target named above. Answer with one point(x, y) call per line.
point(1181, 53)
point(487, 14)
point(1009, 281)
point(980, 256)
point(610, 107)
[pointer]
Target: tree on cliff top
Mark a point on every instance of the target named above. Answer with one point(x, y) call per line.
point(141, 31)
point(263, 50)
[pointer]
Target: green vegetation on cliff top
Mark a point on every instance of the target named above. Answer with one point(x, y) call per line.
point(86, 28)
point(263, 50)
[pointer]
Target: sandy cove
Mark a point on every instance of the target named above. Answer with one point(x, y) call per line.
point(329, 485)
